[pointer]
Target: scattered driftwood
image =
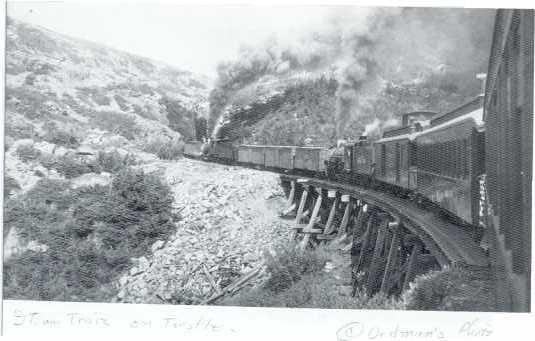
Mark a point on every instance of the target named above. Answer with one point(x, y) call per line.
point(236, 285)
point(210, 279)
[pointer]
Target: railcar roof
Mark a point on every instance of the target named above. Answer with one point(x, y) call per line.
point(476, 116)
point(274, 146)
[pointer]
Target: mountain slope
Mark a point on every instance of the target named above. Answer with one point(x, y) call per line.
point(82, 86)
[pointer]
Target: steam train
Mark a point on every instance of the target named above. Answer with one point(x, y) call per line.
point(440, 164)
point(473, 163)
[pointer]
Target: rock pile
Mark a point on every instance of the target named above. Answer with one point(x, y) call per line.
point(229, 218)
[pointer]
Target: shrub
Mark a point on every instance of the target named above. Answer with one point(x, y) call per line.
point(452, 288)
point(113, 162)
point(27, 102)
point(142, 211)
point(290, 264)
point(41, 206)
point(313, 290)
point(165, 150)
point(70, 166)
point(54, 134)
point(170, 151)
point(179, 117)
point(91, 233)
point(115, 122)
point(27, 152)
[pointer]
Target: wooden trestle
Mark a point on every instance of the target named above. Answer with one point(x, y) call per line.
point(385, 256)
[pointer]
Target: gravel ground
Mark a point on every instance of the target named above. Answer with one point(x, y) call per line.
point(229, 218)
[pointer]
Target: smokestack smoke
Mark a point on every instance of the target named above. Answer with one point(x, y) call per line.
point(385, 60)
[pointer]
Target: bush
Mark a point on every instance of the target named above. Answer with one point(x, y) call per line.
point(316, 289)
point(70, 166)
point(290, 264)
point(41, 206)
point(91, 234)
point(452, 288)
point(115, 122)
point(27, 152)
point(55, 135)
point(23, 100)
point(113, 162)
point(142, 211)
point(165, 150)
point(18, 129)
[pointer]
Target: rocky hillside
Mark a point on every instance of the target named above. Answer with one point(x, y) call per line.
point(82, 88)
point(290, 113)
point(229, 218)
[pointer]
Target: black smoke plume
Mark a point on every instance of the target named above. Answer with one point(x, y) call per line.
point(385, 60)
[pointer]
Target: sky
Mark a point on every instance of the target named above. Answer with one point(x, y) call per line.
point(193, 38)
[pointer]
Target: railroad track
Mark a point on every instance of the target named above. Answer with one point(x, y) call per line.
point(450, 244)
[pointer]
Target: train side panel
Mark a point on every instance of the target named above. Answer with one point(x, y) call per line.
point(310, 158)
point(392, 162)
point(509, 155)
point(278, 157)
point(362, 159)
point(193, 148)
point(244, 154)
point(447, 168)
point(251, 154)
point(257, 155)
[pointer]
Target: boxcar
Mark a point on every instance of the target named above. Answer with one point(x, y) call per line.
point(393, 157)
point(311, 159)
point(280, 157)
point(449, 156)
point(193, 148)
point(508, 120)
point(251, 154)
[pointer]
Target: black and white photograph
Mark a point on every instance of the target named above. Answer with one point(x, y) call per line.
point(325, 157)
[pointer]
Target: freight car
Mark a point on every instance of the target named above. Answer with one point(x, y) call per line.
point(193, 148)
point(309, 161)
